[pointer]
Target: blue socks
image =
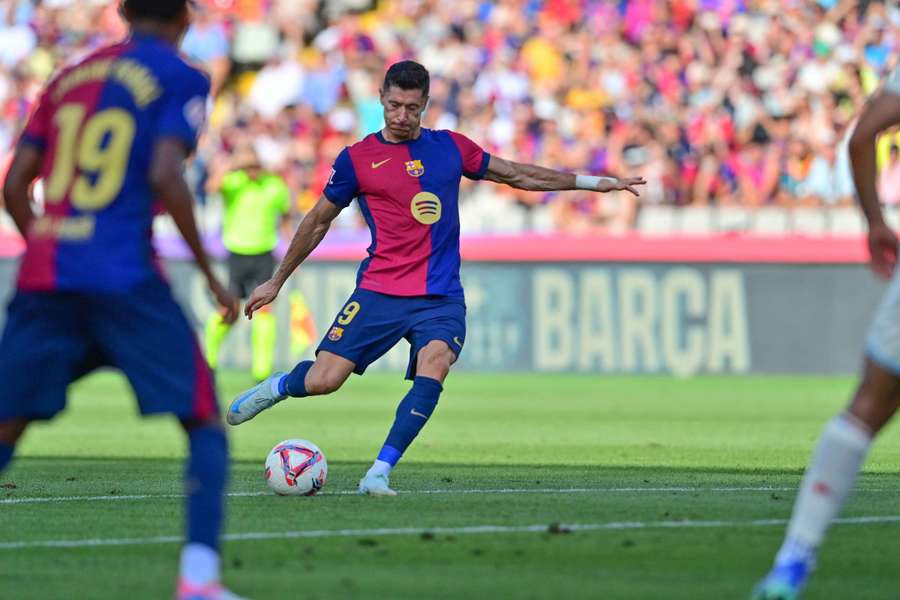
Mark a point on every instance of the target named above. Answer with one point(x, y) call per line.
point(412, 414)
point(207, 472)
point(294, 383)
point(6, 454)
point(390, 455)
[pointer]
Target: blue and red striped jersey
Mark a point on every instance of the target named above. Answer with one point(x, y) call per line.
point(408, 193)
point(97, 123)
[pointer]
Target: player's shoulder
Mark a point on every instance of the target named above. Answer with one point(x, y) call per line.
point(360, 150)
point(433, 135)
point(442, 133)
point(171, 67)
point(448, 135)
point(273, 180)
point(367, 143)
point(236, 178)
point(188, 72)
point(83, 60)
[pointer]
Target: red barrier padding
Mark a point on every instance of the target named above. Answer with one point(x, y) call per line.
point(629, 248)
point(668, 249)
point(636, 248)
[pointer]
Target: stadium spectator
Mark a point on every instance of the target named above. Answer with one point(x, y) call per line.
point(743, 102)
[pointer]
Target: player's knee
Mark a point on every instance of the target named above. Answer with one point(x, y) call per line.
point(11, 431)
point(874, 409)
point(877, 398)
point(434, 363)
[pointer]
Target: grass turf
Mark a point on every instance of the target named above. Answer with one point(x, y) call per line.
point(512, 432)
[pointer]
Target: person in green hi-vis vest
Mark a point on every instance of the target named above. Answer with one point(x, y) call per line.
point(256, 203)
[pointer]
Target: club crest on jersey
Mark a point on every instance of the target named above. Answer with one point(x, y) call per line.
point(336, 333)
point(415, 168)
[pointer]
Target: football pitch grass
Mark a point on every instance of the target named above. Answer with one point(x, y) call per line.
point(521, 486)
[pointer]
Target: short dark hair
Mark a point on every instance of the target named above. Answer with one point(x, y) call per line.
point(162, 10)
point(408, 75)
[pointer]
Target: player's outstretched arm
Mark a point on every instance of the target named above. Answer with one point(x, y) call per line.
point(880, 112)
point(541, 179)
point(309, 234)
point(26, 165)
point(167, 179)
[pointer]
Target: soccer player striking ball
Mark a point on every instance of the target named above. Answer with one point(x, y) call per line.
point(406, 181)
point(847, 437)
point(110, 136)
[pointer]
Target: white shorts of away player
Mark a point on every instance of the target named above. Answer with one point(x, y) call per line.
point(883, 339)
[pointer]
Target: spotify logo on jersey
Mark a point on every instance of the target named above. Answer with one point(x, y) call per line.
point(426, 208)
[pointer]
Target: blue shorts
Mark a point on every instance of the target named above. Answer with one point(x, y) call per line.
point(370, 324)
point(53, 338)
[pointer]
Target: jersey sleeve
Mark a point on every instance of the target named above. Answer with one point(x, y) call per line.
point(343, 186)
point(474, 159)
point(184, 110)
point(37, 129)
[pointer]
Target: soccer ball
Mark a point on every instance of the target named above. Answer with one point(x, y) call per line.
point(296, 468)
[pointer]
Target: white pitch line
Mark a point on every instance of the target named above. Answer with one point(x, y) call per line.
point(599, 490)
point(54, 499)
point(618, 490)
point(469, 530)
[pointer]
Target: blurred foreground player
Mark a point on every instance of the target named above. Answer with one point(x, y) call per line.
point(847, 437)
point(109, 137)
point(405, 179)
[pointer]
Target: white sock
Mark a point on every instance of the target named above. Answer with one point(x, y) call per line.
point(199, 564)
point(380, 467)
point(826, 485)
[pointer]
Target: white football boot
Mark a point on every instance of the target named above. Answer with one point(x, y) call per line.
point(254, 401)
point(213, 591)
point(375, 485)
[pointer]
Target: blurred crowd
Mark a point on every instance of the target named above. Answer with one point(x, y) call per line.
point(714, 102)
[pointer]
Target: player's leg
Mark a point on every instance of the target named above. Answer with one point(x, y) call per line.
point(206, 473)
point(216, 330)
point(147, 336)
point(309, 378)
point(263, 328)
point(835, 464)
point(440, 325)
point(263, 334)
point(840, 453)
point(434, 362)
point(42, 334)
point(323, 376)
point(368, 326)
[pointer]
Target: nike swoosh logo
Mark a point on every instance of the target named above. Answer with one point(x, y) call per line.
point(458, 342)
point(418, 414)
point(375, 165)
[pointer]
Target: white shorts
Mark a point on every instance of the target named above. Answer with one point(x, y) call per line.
point(883, 338)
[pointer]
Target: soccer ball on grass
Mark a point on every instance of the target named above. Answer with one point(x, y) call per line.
point(296, 468)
